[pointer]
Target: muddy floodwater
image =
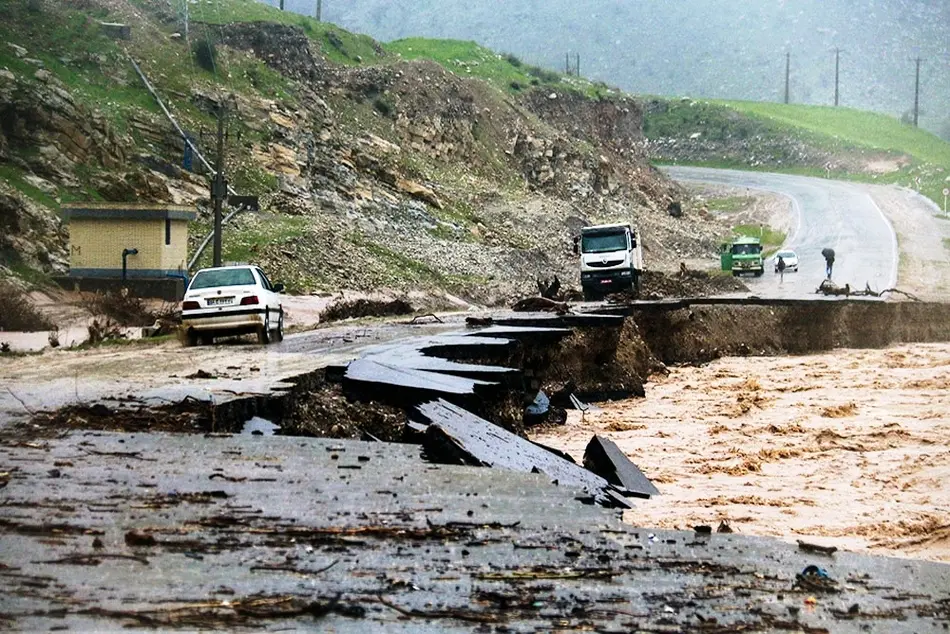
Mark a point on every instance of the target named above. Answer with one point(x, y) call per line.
point(847, 448)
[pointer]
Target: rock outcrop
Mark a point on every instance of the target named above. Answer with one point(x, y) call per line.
point(29, 234)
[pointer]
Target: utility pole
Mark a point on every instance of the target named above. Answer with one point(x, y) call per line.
point(281, 5)
point(185, 3)
point(319, 10)
point(917, 93)
point(577, 66)
point(788, 67)
point(837, 66)
point(219, 187)
point(567, 63)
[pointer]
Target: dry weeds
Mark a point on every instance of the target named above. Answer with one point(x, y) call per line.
point(126, 309)
point(17, 311)
point(349, 309)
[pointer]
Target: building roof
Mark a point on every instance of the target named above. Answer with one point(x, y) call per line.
point(128, 211)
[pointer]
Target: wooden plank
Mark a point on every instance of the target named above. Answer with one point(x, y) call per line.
point(456, 435)
point(604, 458)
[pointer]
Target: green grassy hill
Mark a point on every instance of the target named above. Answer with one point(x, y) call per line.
point(924, 158)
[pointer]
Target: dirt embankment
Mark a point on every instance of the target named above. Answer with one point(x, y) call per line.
point(703, 333)
point(598, 362)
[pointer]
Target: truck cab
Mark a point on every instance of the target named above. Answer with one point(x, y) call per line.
point(611, 259)
point(742, 255)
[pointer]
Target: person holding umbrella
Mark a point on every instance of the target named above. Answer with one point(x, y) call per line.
point(780, 267)
point(829, 255)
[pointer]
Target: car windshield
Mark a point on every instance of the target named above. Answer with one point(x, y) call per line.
point(785, 255)
point(223, 277)
point(604, 242)
point(746, 249)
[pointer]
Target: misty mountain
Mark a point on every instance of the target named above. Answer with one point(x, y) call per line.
point(729, 49)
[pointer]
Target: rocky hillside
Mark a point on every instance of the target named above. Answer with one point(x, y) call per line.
point(374, 172)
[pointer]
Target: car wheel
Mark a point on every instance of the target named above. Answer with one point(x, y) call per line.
point(279, 333)
point(591, 295)
point(263, 333)
point(190, 340)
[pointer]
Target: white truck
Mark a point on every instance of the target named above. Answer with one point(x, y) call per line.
point(611, 259)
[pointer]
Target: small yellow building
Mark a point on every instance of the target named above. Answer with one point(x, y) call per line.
point(143, 247)
point(149, 240)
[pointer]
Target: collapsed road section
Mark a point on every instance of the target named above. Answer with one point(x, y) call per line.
point(254, 531)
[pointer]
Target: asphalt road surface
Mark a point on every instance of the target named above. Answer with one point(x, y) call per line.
point(827, 214)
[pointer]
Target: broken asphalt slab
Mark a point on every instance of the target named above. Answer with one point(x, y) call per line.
point(456, 436)
point(603, 457)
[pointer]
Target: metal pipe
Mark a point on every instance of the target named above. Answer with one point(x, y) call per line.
point(125, 257)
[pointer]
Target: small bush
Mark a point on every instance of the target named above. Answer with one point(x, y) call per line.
point(384, 105)
point(513, 60)
point(206, 55)
point(17, 311)
point(516, 86)
point(126, 309)
point(546, 76)
point(103, 329)
point(352, 308)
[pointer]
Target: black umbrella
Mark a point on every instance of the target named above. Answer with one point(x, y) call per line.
point(828, 253)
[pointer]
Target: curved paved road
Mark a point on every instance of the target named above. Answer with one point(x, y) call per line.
point(828, 214)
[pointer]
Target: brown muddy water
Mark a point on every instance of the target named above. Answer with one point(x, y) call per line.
point(845, 448)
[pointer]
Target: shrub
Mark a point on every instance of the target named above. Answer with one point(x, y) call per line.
point(126, 309)
point(17, 311)
point(103, 329)
point(206, 55)
point(353, 308)
point(513, 60)
point(546, 76)
point(384, 105)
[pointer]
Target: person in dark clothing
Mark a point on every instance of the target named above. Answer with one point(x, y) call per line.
point(829, 261)
point(780, 265)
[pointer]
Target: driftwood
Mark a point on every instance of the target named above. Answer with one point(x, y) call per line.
point(540, 304)
point(550, 290)
point(828, 287)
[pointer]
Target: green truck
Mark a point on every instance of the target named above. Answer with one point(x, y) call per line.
point(742, 255)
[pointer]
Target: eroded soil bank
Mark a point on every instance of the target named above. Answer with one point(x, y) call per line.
point(595, 362)
point(845, 448)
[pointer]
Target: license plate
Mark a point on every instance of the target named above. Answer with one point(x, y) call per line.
point(605, 281)
point(219, 301)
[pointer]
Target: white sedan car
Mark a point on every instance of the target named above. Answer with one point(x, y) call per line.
point(232, 300)
point(791, 260)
